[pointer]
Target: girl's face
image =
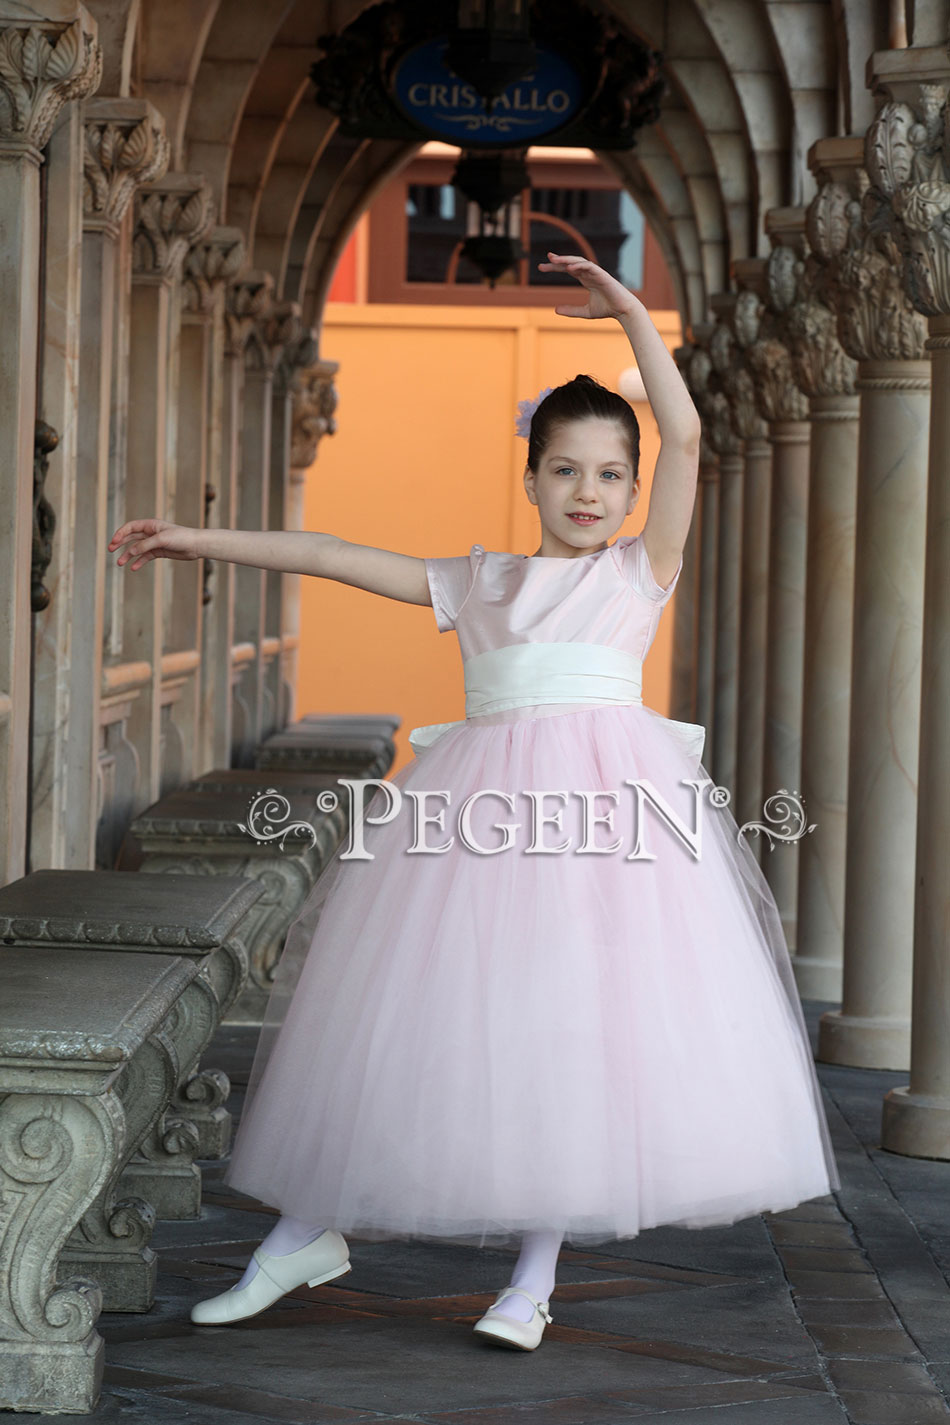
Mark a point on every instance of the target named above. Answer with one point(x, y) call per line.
point(584, 487)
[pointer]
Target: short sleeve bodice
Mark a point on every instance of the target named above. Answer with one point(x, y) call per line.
point(491, 599)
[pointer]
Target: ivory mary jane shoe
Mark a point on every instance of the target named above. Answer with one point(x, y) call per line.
point(326, 1257)
point(507, 1330)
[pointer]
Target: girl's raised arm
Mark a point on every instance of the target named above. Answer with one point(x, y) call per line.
point(673, 492)
point(323, 556)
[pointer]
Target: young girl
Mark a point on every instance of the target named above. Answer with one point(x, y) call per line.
point(551, 998)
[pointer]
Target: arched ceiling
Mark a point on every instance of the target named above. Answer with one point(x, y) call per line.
point(751, 84)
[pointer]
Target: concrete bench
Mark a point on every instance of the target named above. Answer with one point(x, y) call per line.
point(194, 831)
point(202, 917)
point(86, 1064)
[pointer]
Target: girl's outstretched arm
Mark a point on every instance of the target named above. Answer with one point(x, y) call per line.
point(673, 493)
point(324, 556)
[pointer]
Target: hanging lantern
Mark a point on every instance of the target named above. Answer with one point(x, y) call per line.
point(491, 46)
point(493, 185)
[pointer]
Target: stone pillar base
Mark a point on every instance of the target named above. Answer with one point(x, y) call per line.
point(915, 1124)
point(817, 977)
point(64, 1379)
point(863, 1042)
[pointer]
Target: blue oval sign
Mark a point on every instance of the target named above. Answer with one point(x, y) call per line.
point(429, 93)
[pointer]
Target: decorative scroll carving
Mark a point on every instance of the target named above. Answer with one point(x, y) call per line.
point(43, 67)
point(210, 263)
point(124, 145)
point(732, 378)
point(170, 215)
point(809, 328)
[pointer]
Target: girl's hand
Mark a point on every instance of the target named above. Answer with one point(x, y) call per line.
point(606, 297)
point(153, 539)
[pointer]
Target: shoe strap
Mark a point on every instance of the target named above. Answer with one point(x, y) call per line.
point(541, 1306)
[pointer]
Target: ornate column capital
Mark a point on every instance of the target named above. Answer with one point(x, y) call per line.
point(42, 67)
point(730, 373)
point(276, 331)
point(171, 214)
point(768, 357)
point(708, 399)
point(249, 298)
point(907, 162)
point(808, 326)
point(215, 259)
point(314, 402)
point(124, 145)
point(862, 279)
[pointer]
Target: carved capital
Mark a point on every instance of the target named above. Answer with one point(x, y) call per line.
point(124, 145)
point(314, 402)
point(905, 150)
point(248, 300)
point(862, 279)
point(275, 336)
point(170, 215)
point(209, 263)
point(43, 67)
point(709, 399)
point(770, 364)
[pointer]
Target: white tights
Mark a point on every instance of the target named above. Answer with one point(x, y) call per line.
point(534, 1270)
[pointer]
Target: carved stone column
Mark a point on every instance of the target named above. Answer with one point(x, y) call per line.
point(124, 144)
point(826, 374)
point(881, 331)
point(209, 265)
point(249, 298)
point(170, 215)
point(738, 328)
point(783, 405)
point(697, 370)
point(728, 447)
point(908, 160)
point(313, 402)
point(42, 67)
point(299, 354)
point(277, 328)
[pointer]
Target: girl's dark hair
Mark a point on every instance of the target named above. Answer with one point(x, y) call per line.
point(575, 401)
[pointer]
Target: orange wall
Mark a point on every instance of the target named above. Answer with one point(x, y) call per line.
point(425, 461)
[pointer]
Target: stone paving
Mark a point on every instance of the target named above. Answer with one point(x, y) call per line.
point(837, 1311)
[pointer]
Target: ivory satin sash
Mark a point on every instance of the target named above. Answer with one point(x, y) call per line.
point(529, 674)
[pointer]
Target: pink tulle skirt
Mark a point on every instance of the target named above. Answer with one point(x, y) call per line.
point(466, 1046)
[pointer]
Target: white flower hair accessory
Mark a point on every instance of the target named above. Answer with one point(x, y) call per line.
point(526, 410)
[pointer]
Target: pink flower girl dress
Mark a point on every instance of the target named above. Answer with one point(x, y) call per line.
point(501, 1036)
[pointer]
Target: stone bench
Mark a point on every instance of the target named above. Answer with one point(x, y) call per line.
point(88, 1056)
point(313, 746)
point(194, 831)
point(380, 724)
point(202, 917)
